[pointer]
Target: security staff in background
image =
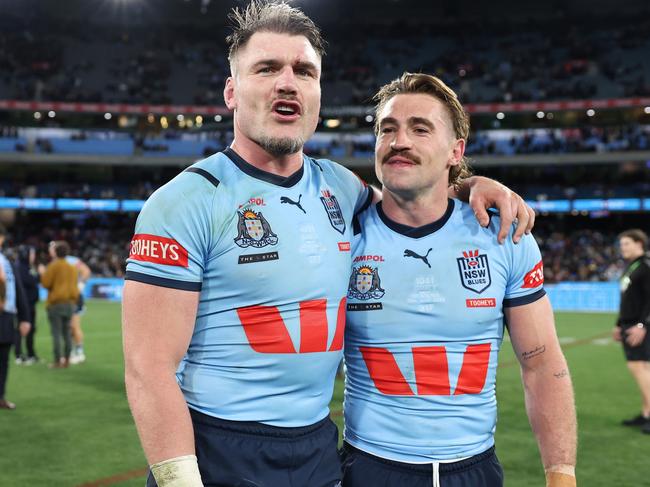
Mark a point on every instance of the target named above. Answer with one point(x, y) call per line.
point(634, 318)
point(13, 305)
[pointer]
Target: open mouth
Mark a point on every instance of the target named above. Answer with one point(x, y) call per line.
point(286, 109)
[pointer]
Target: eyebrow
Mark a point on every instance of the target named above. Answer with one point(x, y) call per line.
point(410, 121)
point(275, 63)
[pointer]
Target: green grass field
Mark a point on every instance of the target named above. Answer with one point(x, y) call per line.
point(73, 427)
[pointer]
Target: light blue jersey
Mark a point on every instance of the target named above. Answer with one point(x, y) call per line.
point(270, 256)
point(424, 327)
point(10, 285)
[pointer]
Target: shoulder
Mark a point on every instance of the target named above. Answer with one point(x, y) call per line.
point(196, 185)
point(331, 169)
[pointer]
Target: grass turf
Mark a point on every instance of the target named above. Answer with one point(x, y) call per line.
point(73, 427)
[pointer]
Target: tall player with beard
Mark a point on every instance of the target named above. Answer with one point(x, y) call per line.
point(428, 297)
point(234, 304)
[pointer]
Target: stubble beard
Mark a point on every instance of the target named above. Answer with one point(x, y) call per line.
point(281, 146)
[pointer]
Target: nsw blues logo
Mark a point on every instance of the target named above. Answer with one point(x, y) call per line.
point(333, 210)
point(365, 284)
point(253, 230)
point(474, 271)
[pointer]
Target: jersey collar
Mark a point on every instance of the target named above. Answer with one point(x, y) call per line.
point(285, 182)
point(416, 232)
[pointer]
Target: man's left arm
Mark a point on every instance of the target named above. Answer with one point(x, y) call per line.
point(547, 388)
point(482, 193)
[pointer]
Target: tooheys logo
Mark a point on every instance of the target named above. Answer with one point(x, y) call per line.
point(535, 276)
point(159, 250)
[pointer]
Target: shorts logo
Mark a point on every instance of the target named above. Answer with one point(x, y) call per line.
point(253, 230)
point(365, 284)
point(159, 250)
point(481, 303)
point(333, 210)
point(474, 271)
point(535, 276)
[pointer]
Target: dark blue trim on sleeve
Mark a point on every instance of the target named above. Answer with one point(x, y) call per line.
point(522, 300)
point(162, 282)
point(205, 174)
point(356, 226)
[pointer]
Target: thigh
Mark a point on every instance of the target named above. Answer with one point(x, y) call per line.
point(7, 327)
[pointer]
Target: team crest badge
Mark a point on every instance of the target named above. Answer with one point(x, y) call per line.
point(474, 271)
point(253, 230)
point(365, 284)
point(333, 210)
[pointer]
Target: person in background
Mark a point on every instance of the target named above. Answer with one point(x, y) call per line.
point(60, 280)
point(14, 305)
point(634, 318)
point(26, 269)
point(78, 354)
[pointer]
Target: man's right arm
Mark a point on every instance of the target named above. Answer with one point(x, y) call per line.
point(157, 327)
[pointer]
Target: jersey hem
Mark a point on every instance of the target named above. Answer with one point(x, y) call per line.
point(419, 462)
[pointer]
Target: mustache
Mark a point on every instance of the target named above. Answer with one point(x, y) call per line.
point(405, 154)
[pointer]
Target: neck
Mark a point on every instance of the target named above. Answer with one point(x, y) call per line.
point(635, 256)
point(252, 153)
point(415, 212)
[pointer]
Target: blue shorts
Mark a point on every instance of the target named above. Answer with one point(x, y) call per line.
point(361, 469)
point(249, 454)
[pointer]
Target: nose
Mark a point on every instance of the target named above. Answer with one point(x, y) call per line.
point(401, 141)
point(286, 81)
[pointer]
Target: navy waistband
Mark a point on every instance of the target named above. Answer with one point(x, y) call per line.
point(255, 428)
point(425, 468)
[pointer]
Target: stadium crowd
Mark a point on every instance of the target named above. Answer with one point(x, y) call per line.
point(540, 61)
point(585, 139)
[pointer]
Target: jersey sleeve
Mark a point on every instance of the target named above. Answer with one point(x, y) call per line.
point(526, 277)
point(172, 235)
point(364, 193)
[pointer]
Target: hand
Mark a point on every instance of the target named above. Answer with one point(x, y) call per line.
point(634, 336)
point(24, 327)
point(41, 269)
point(486, 193)
point(616, 334)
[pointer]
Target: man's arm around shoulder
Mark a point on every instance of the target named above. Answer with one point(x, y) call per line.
point(157, 327)
point(547, 388)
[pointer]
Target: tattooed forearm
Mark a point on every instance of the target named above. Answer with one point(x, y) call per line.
point(534, 353)
point(562, 373)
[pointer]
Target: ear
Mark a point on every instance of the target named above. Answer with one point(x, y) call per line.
point(229, 93)
point(457, 152)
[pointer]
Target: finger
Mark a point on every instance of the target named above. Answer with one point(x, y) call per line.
point(507, 217)
point(480, 211)
point(522, 221)
point(531, 219)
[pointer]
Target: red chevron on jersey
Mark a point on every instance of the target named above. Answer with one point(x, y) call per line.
point(534, 277)
point(159, 250)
